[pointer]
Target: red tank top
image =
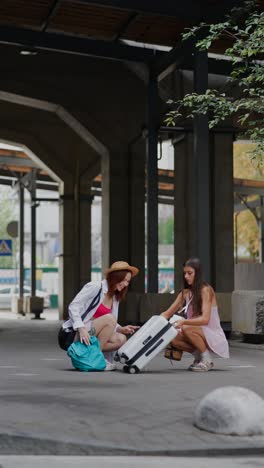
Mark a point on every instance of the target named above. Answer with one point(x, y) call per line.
point(101, 310)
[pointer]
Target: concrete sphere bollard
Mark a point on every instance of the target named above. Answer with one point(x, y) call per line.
point(231, 410)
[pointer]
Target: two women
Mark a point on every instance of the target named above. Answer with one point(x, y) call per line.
point(200, 331)
point(102, 300)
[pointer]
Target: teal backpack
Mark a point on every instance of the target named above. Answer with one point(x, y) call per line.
point(87, 358)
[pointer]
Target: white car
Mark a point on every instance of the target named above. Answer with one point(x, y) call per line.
point(9, 291)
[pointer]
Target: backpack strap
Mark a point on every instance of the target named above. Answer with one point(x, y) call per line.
point(93, 304)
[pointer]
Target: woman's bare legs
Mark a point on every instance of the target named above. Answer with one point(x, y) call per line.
point(115, 342)
point(103, 328)
point(105, 332)
point(181, 343)
point(195, 337)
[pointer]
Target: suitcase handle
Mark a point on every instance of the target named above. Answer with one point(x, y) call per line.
point(154, 347)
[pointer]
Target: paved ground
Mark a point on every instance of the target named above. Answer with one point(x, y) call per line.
point(48, 408)
point(126, 462)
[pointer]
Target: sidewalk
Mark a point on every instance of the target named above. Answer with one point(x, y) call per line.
point(47, 314)
point(48, 408)
point(125, 462)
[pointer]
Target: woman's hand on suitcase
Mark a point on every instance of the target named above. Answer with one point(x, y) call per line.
point(129, 329)
point(84, 335)
point(179, 323)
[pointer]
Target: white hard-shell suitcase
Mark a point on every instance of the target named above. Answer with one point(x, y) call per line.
point(147, 342)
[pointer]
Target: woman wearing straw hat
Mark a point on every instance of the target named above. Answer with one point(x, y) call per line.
point(102, 299)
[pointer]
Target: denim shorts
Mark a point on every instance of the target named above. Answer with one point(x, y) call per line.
point(92, 331)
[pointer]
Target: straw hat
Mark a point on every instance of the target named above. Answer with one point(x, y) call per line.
point(117, 266)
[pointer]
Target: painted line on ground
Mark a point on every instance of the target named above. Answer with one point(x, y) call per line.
point(241, 367)
point(23, 374)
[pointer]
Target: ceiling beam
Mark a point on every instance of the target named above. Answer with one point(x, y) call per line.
point(173, 59)
point(12, 181)
point(181, 57)
point(51, 14)
point(248, 190)
point(216, 66)
point(28, 38)
point(132, 18)
point(5, 172)
point(14, 161)
point(238, 207)
point(189, 10)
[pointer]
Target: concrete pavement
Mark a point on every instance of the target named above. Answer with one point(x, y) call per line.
point(48, 408)
point(126, 462)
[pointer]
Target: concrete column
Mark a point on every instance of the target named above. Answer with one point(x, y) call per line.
point(221, 231)
point(202, 168)
point(123, 210)
point(223, 248)
point(75, 240)
point(67, 281)
point(115, 209)
point(152, 185)
point(21, 239)
point(136, 219)
point(184, 206)
point(85, 233)
point(33, 232)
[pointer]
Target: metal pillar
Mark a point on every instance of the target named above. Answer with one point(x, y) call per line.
point(77, 225)
point(202, 170)
point(33, 233)
point(21, 240)
point(152, 185)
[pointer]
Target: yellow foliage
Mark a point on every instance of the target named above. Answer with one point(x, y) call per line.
point(246, 168)
point(247, 232)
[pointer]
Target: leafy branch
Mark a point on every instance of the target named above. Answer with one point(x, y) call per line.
point(245, 27)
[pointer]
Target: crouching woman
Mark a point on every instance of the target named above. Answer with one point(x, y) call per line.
point(94, 311)
point(200, 332)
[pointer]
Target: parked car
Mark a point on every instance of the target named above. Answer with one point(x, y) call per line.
point(9, 291)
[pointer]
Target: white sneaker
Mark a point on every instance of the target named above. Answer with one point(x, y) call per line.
point(110, 366)
point(194, 364)
point(202, 366)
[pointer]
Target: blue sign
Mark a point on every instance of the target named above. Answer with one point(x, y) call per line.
point(5, 247)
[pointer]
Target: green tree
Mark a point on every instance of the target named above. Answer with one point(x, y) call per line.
point(245, 27)
point(166, 231)
point(8, 212)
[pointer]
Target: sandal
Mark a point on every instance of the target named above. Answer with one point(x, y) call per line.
point(172, 353)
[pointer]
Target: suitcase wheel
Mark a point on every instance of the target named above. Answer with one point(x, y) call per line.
point(132, 370)
point(116, 358)
point(125, 369)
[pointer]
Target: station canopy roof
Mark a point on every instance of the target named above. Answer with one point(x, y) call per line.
point(128, 30)
point(106, 24)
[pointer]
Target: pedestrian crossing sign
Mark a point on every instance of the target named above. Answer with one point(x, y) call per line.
point(5, 247)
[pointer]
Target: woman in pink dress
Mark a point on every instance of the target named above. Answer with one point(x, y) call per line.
point(200, 331)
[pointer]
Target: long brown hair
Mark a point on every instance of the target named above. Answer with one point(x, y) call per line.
point(196, 287)
point(113, 278)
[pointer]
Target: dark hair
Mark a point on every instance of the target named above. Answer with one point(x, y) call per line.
point(196, 287)
point(113, 278)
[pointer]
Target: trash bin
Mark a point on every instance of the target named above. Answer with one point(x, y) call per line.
point(53, 301)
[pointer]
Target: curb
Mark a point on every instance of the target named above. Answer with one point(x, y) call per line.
point(241, 344)
point(19, 445)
